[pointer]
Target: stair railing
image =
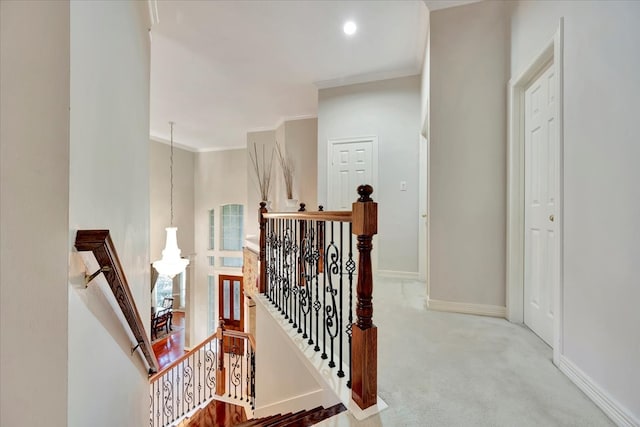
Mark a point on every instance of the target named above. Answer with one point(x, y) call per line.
point(201, 374)
point(307, 270)
point(100, 244)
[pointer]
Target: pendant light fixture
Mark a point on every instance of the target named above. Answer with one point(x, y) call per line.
point(171, 263)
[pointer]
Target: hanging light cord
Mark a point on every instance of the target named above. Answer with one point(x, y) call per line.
point(171, 170)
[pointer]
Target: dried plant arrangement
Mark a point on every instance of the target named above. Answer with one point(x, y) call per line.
point(262, 170)
point(287, 170)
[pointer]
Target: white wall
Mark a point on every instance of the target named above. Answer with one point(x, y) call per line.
point(220, 179)
point(301, 144)
point(601, 152)
point(108, 188)
point(467, 164)
point(34, 206)
point(284, 383)
point(389, 109)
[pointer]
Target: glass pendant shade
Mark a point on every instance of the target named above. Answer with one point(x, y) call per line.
point(171, 262)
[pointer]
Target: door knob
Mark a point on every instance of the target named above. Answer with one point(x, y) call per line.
point(424, 215)
point(551, 217)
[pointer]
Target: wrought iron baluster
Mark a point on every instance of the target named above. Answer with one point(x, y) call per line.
point(340, 371)
point(324, 302)
point(188, 384)
point(351, 267)
point(333, 254)
point(312, 269)
point(281, 264)
point(296, 274)
point(316, 304)
point(301, 237)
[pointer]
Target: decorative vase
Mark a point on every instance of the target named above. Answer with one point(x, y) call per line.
point(292, 205)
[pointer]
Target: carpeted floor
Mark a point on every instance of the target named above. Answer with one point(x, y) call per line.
point(446, 369)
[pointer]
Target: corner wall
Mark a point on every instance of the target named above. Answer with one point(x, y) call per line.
point(34, 212)
point(601, 152)
point(467, 165)
point(108, 188)
point(389, 109)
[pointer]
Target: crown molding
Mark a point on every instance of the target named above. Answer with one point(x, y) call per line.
point(369, 77)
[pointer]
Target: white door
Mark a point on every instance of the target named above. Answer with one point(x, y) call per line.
point(541, 188)
point(351, 164)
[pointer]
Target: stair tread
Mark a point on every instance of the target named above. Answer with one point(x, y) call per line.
point(261, 421)
point(317, 416)
point(283, 419)
point(295, 417)
point(302, 418)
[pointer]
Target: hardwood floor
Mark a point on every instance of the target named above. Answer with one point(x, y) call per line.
point(172, 347)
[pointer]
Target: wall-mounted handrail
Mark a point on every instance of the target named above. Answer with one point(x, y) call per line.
point(99, 242)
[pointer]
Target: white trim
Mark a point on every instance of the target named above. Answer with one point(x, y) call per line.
point(156, 138)
point(370, 77)
point(153, 12)
point(612, 408)
point(467, 308)
point(280, 121)
point(398, 274)
point(552, 51)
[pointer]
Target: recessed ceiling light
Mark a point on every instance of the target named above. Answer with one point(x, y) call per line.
point(349, 28)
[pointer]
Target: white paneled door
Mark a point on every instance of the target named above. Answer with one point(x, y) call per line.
point(351, 165)
point(541, 250)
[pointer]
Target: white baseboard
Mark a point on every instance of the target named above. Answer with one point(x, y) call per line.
point(398, 274)
point(618, 414)
point(467, 308)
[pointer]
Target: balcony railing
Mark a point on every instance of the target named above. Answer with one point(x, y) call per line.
point(307, 270)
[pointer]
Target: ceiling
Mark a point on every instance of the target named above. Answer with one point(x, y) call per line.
point(222, 68)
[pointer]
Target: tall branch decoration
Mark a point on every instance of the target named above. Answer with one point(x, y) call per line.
point(262, 170)
point(287, 170)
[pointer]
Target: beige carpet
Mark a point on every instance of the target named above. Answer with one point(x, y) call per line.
point(445, 369)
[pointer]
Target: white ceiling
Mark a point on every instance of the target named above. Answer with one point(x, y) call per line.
point(222, 68)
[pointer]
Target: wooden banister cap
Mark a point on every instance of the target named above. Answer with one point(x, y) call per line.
point(365, 192)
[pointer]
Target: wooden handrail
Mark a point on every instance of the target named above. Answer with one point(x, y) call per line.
point(99, 242)
point(338, 216)
point(241, 335)
point(176, 362)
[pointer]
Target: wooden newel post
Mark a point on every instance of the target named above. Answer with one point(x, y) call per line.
point(220, 372)
point(262, 285)
point(364, 351)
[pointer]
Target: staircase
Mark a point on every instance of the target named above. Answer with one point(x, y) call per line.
point(221, 414)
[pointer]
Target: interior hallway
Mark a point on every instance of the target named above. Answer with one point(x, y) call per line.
point(446, 369)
